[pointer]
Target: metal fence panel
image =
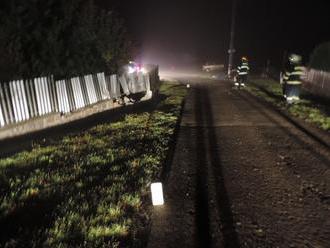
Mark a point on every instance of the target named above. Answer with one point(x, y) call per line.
point(9, 103)
point(70, 94)
point(103, 86)
point(43, 96)
point(62, 96)
point(90, 89)
point(2, 117)
point(24, 101)
point(141, 84)
point(317, 82)
point(97, 88)
point(77, 92)
point(114, 87)
point(124, 85)
point(13, 93)
point(84, 90)
point(47, 95)
point(40, 105)
point(52, 91)
point(3, 106)
point(18, 87)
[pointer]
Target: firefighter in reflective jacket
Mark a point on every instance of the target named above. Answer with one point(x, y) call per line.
point(243, 72)
point(292, 78)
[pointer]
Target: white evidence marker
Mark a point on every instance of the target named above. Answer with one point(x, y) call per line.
point(157, 194)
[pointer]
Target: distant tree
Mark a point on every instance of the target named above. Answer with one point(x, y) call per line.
point(320, 58)
point(59, 37)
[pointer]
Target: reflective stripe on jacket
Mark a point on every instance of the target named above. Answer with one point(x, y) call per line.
point(243, 69)
point(293, 75)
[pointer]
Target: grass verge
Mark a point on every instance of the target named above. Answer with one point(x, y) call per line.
point(310, 108)
point(89, 189)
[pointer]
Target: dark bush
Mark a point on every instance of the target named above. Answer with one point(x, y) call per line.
point(320, 58)
point(59, 37)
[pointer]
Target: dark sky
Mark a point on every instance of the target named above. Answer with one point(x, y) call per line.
point(185, 32)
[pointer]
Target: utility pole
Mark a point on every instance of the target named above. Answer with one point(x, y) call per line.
point(232, 50)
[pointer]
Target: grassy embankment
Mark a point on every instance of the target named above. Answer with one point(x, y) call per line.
point(89, 189)
point(310, 108)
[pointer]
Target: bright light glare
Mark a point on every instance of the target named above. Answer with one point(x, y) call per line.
point(157, 194)
point(131, 69)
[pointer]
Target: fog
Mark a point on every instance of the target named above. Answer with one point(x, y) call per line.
point(183, 34)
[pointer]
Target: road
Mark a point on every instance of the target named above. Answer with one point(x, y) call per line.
point(243, 175)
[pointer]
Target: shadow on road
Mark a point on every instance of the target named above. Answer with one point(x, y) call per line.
point(207, 144)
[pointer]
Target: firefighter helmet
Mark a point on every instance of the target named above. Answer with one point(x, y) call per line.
point(295, 58)
point(244, 59)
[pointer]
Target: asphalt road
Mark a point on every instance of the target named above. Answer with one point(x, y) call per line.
point(243, 175)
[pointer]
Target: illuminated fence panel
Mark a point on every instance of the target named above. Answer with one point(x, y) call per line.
point(124, 84)
point(22, 100)
point(39, 105)
point(19, 102)
point(80, 93)
point(25, 109)
point(84, 90)
point(15, 101)
point(13, 95)
point(40, 98)
point(52, 94)
point(8, 103)
point(47, 95)
point(147, 82)
point(62, 96)
point(131, 83)
point(97, 88)
point(77, 93)
point(31, 93)
point(90, 89)
point(114, 87)
point(2, 118)
point(140, 85)
point(103, 86)
point(65, 96)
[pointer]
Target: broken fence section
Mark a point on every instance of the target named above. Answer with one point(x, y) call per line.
point(21, 100)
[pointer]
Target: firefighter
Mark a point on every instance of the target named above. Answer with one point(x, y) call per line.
point(292, 78)
point(243, 72)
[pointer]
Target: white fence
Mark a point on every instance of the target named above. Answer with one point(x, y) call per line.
point(317, 82)
point(25, 99)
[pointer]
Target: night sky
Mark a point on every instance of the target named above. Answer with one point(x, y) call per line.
point(194, 32)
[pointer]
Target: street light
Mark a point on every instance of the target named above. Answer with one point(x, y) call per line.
point(232, 50)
